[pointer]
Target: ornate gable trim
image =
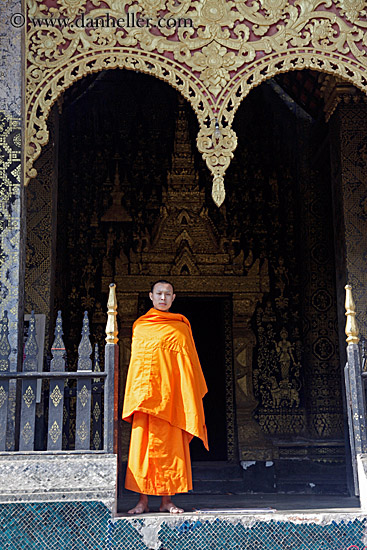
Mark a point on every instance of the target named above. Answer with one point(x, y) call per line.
point(232, 47)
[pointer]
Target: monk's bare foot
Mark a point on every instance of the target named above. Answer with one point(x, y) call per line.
point(169, 506)
point(141, 507)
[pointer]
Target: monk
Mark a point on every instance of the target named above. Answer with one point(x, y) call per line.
point(163, 401)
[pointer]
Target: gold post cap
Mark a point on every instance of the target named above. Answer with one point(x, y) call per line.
point(351, 326)
point(111, 327)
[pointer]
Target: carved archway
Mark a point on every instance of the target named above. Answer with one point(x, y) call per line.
point(232, 47)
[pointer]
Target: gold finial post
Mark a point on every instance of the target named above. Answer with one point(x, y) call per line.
point(111, 327)
point(351, 327)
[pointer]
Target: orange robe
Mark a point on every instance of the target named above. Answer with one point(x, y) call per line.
point(163, 400)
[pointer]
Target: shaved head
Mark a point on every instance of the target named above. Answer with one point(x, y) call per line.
point(161, 281)
point(162, 295)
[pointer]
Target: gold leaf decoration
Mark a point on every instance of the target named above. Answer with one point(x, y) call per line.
point(82, 431)
point(96, 440)
point(96, 412)
point(83, 395)
point(27, 433)
point(29, 396)
point(3, 364)
point(55, 432)
point(56, 396)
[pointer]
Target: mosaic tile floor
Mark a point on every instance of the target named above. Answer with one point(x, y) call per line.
point(89, 526)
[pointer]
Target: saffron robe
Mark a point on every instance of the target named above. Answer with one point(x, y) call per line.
point(163, 401)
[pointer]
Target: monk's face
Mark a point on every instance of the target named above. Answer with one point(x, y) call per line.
point(162, 296)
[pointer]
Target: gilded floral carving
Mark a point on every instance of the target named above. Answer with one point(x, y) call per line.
point(215, 62)
point(72, 8)
point(352, 9)
point(230, 47)
point(55, 432)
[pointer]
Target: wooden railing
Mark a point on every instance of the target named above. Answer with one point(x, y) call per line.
point(89, 383)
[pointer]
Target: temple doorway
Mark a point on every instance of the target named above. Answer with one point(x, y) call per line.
point(206, 316)
point(211, 326)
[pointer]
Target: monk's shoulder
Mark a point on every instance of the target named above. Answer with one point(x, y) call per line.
point(184, 320)
point(138, 321)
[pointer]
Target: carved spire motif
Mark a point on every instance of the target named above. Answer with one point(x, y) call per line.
point(58, 351)
point(85, 347)
point(31, 347)
point(182, 158)
point(182, 179)
point(58, 341)
point(117, 212)
point(351, 327)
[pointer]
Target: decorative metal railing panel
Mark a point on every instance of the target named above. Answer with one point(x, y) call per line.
point(91, 393)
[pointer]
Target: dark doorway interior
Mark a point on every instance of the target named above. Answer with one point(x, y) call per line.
point(206, 316)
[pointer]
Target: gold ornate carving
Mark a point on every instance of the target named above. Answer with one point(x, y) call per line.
point(283, 393)
point(96, 412)
point(3, 396)
point(27, 432)
point(3, 365)
point(96, 440)
point(29, 396)
point(351, 327)
point(56, 396)
point(83, 395)
point(352, 9)
point(232, 47)
point(82, 431)
point(55, 432)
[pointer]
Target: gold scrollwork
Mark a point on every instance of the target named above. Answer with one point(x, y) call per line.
point(82, 431)
point(83, 395)
point(234, 47)
point(55, 432)
point(56, 396)
point(96, 440)
point(3, 364)
point(27, 433)
point(29, 396)
point(96, 412)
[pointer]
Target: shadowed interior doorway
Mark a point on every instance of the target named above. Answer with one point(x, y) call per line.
point(207, 319)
